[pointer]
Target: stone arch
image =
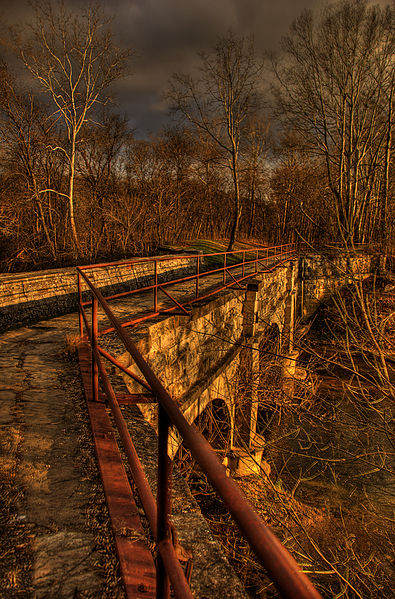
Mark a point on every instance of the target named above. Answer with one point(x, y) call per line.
point(215, 423)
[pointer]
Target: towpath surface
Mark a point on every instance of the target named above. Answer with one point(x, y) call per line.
point(54, 532)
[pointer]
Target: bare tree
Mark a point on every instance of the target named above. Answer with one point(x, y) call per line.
point(220, 100)
point(26, 132)
point(177, 148)
point(254, 154)
point(74, 60)
point(207, 158)
point(99, 170)
point(336, 92)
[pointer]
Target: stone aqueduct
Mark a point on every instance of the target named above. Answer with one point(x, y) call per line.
point(198, 358)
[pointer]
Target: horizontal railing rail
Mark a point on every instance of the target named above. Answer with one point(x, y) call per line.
point(260, 259)
point(179, 257)
point(278, 562)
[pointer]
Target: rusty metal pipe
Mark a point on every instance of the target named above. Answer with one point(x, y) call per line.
point(181, 280)
point(155, 286)
point(95, 370)
point(234, 279)
point(80, 319)
point(214, 291)
point(173, 299)
point(118, 364)
point(163, 501)
point(130, 262)
point(85, 319)
point(173, 568)
point(197, 276)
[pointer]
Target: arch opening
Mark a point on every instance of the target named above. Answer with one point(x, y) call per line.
point(215, 424)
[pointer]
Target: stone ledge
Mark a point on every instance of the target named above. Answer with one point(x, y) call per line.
point(205, 306)
point(26, 298)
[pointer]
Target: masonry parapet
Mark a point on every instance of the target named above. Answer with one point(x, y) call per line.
point(29, 297)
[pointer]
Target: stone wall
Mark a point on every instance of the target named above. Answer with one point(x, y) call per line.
point(29, 297)
point(196, 357)
point(271, 299)
point(181, 349)
point(321, 275)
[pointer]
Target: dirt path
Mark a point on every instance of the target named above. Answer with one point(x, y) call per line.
point(55, 540)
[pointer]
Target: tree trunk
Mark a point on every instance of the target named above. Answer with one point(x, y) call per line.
point(76, 248)
point(42, 218)
point(386, 235)
point(237, 206)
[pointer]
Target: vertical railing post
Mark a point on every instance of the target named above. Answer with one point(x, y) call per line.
point(244, 259)
point(224, 278)
point(95, 369)
point(163, 500)
point(155, 285)
point(256, 263)
point(197, 275)
point(80, 303)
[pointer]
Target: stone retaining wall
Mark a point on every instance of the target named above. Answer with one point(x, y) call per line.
point(29, 297)
point(181, 349)
point(320, 276)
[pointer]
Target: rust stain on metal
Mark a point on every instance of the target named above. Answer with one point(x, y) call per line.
point(136, 561)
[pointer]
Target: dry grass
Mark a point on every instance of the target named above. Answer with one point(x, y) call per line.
point(71, 342)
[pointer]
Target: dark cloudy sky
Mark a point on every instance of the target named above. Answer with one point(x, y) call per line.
point(167, 34)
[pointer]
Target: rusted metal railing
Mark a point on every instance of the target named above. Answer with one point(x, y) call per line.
point(281, 567)
point(254, 259)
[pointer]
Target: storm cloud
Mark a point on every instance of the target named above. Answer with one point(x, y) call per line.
point(166, 36)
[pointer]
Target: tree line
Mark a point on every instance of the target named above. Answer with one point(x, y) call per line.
point(315, 163)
